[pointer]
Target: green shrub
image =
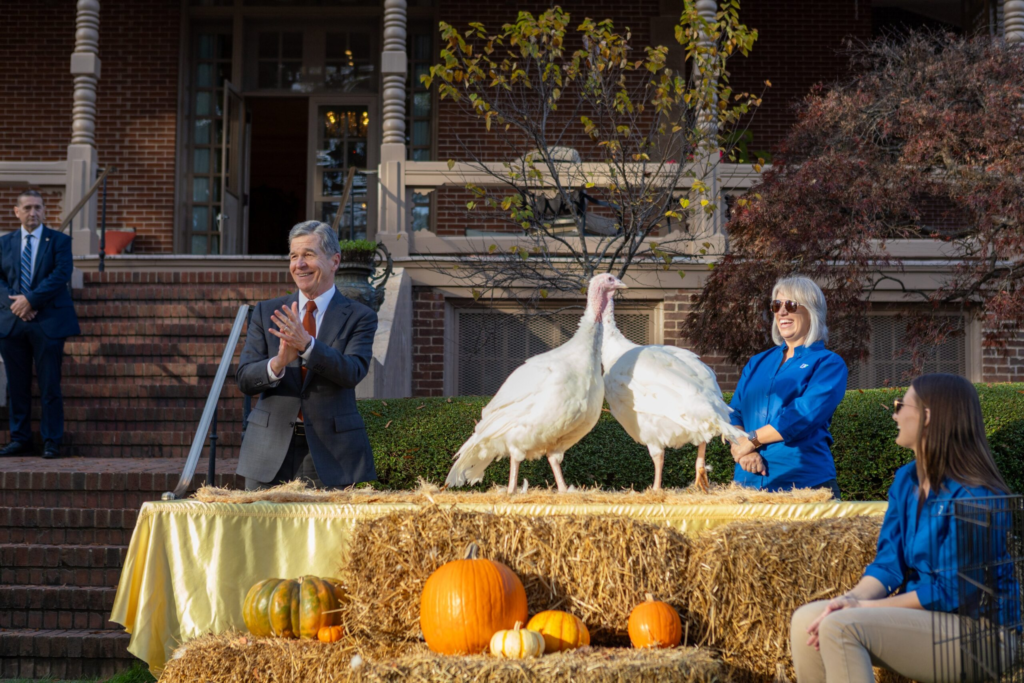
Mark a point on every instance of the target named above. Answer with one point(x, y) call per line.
point(417, 437)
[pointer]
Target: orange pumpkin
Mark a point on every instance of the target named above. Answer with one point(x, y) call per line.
point(296, 608)
point(465, 602)
point(330, 634)
point(655, 624)
point(561, 630)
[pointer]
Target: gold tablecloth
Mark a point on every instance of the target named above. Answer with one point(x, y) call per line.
point(190, 564)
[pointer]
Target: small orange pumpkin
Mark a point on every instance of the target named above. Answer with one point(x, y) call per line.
point(561, 630)
point(330, 634)
point(655, 624)
point(465, 602)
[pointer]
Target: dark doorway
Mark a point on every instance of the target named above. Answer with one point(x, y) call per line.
point(277, 180)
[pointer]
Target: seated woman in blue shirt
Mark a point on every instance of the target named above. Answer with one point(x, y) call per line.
point(838, 640)
point(786, 396)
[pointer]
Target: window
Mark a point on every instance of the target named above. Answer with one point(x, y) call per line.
point(349, 63)
point(341, 147)
point(889, 365)
point(419, 136)
point(279, 60)
point(211, 67)
point(491, 344)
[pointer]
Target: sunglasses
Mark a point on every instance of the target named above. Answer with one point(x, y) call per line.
point(777, 305)
point(897, 404)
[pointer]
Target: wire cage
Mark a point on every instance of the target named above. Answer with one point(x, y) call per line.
point(980, 562)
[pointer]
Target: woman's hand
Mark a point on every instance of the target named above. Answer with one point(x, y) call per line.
point(836, 604)
point(741, 449)
point(753, 463)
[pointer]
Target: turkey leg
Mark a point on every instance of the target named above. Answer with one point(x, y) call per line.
point(658, 456)
point(702, 471)
point(555, 460)
point(513, 470)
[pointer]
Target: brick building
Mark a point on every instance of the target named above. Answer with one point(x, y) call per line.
point(226, 121)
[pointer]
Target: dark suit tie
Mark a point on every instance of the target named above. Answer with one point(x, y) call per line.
point(26, 265)
point(308, 324)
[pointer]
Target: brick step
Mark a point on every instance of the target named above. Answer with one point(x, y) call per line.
point(138, 443)
point(65, 518)
point(100, 368)
point(56, 607)
point(130, 414)
point(182, 293)
point(146, 391)
point(152, 475)
point(63, 654)
point(264, 277)
point(155, 348)
point(197, 311)
point(54, 536)
point(38, 556)
point(156, 330)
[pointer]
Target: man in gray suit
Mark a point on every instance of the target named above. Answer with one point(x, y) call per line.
point(304, 354)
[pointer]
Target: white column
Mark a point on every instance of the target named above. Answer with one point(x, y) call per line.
point(392, 150)
point(82, 163)
point(1013, 21)
point(708, 226)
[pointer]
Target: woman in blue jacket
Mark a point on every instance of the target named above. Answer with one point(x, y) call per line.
point(839, 640)
point(786, 397)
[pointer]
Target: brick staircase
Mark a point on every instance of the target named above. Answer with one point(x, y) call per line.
point(135, 383)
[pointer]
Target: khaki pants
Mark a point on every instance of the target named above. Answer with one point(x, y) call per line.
point(854, 640)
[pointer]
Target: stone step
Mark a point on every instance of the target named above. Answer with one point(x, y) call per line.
point(63, 654)
point(56, 607)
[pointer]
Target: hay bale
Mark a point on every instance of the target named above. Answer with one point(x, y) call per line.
point(745, 580)
point(427, 493)
point(595, 567)
point(232, 657)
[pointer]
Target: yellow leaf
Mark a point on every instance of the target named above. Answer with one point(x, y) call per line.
point(684, 202)
point(451, 164)
point(703, 202)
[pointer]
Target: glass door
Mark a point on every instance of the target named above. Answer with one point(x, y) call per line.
point(343, 159)
point(234, 173)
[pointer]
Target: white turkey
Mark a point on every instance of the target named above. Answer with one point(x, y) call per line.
point(548, 404)
point(663, 396)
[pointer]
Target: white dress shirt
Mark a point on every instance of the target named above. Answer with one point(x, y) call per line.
point(38, 235)
point(322, 302)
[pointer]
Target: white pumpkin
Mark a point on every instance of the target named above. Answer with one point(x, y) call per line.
point(517, 643)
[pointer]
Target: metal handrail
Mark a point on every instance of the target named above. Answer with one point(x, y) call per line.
point(210, 411)
point(88, 195)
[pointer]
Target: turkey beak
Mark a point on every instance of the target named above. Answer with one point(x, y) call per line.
point(621, 285)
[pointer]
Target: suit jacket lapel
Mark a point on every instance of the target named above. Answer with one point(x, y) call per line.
point(43, 248)
point(337, 313)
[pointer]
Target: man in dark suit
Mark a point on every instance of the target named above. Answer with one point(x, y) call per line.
point(304, 354)
point(36, 316)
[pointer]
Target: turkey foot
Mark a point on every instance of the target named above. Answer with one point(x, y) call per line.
point(658, 456)
point(555, 460)
point(701, 481)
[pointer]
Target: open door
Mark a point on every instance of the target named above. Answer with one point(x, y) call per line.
point(234, 175)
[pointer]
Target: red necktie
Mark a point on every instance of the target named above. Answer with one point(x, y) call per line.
point(309, 324)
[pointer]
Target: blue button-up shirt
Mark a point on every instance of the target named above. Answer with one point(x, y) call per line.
point(797, 398)
point(920, 550)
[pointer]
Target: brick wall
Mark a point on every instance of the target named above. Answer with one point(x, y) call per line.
point(1004, 364)
point(427, 342)
point(136, 103)
point(676, 307)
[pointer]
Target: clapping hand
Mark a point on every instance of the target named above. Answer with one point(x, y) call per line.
point(293, 336)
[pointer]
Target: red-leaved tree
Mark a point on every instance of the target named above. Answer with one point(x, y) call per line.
point(926, 142)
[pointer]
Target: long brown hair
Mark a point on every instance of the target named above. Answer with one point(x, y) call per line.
point(953, 443)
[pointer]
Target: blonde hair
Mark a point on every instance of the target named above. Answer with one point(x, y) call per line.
point(806, 293)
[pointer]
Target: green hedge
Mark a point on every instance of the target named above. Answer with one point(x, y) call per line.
point(416, 437)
